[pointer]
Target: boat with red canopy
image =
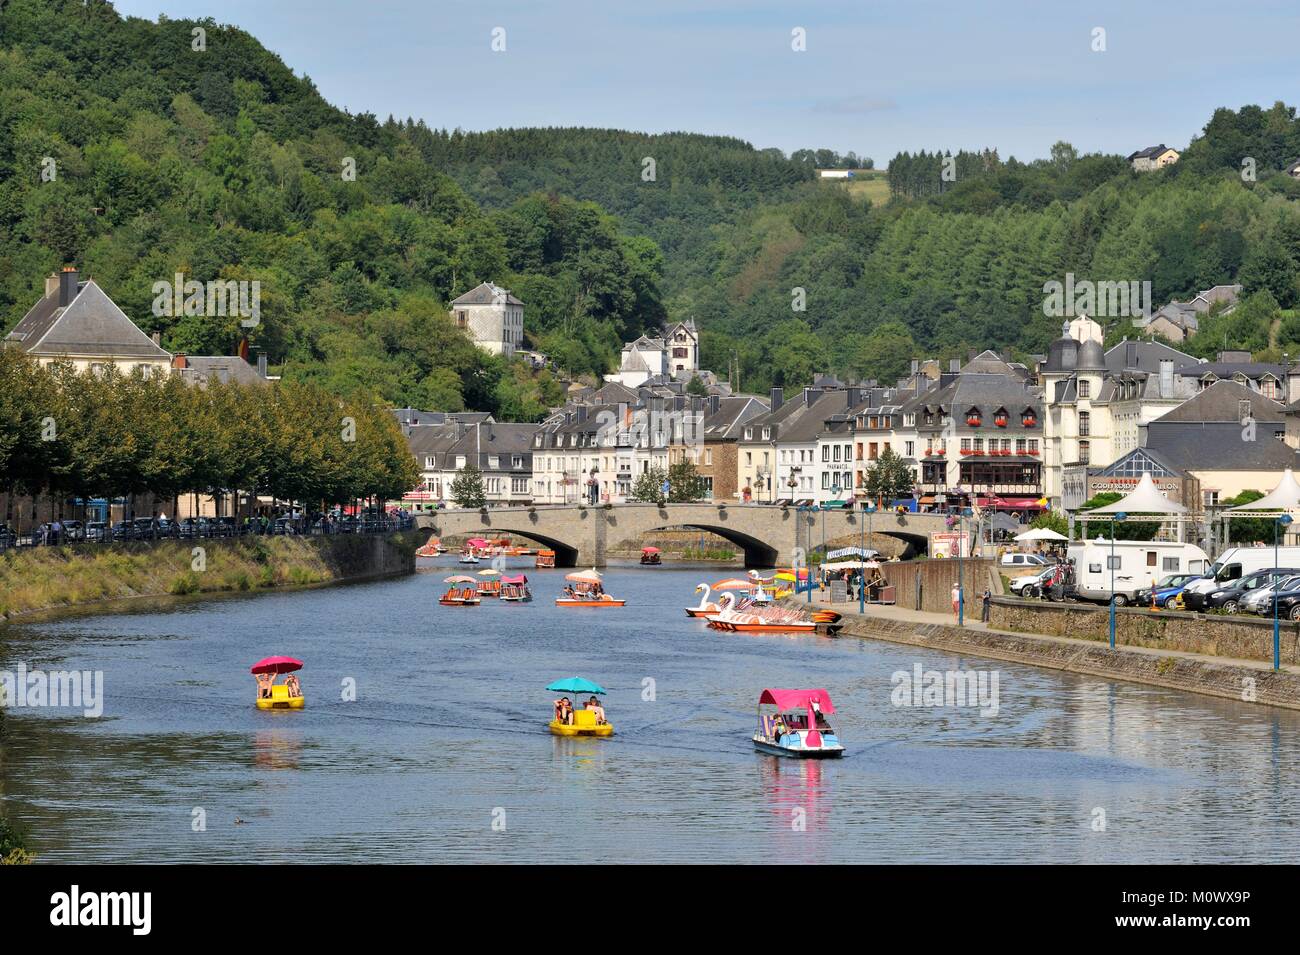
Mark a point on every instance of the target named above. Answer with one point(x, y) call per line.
point(515, 589)
point(278, 696)
point(795, 725)
point(650, 556)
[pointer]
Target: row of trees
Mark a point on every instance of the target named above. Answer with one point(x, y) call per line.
point(71, 434)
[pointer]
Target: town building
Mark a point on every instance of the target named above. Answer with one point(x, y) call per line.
point(76, 321)
point(492, 317)
point(1152, 158)
point(502, 452)
point(674, 356)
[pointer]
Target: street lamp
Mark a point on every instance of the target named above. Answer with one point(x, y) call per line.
point(869, 508)
point(1113, 518)
point(962, 514)
point(1282, 522)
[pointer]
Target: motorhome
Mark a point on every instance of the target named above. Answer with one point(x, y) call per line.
point(1135, 564)
point(1236, 562)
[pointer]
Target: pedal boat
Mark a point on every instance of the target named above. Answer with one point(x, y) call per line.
point(584, 720)
point(763, 620)
point(587, 592)
point(281, 700)
point(706, 605)
point(460, 596)
point(803, 732)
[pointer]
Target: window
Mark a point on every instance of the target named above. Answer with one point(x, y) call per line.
point(1085, 452)
point(1094, 568)
point(1085, 388)
point(1151, 558)
point(428, 462)
point(910, 447)
point(494, 462)
point(749, 458)
point(517, 461)
point(1211, 498)
point(1085, 423)
point(1170, 564)
point(749, 434)
point(767, 434)
point(460, 461)
point(826, 452)
point(826, 480)
point(1113, 563)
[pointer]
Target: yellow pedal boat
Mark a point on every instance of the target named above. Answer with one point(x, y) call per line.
point(281, 700)
point(584, 724)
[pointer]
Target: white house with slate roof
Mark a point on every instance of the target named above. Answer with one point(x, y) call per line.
point(492, 317)
point(675, 355)
point(76, 321)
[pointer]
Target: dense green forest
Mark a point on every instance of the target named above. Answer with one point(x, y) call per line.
point(221, 163)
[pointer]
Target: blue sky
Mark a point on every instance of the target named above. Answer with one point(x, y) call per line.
point(876, 77)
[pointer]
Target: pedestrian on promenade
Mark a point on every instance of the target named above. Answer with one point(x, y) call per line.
point(956, 600)
point(986, 599)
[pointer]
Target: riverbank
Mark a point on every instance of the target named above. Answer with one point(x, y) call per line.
point(1243, 680)
point(43, 579)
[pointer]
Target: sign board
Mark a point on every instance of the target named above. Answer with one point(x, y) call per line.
point(950, 544)
point(839, 590)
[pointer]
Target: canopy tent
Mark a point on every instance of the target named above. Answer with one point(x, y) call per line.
point(797, 699)
point(1284, 497)
point(1143, 499)
point(489, 572)
point(520, 579)
point(584, 576)
point(851, 552)
point(459, 579)
point(737, 583)
point(649, 550)
point(576, 684)
point(1042, 534)
point(476, 542)
point(851, 565)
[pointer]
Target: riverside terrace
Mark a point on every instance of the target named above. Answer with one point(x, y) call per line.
point(768, 535)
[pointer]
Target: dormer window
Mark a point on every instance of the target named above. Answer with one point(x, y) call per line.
point(974, 418)
point(1029, 418)
point(1000, 417)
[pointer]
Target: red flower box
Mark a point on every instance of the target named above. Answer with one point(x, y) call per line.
point(1029, 422)
point(973, 422)
point(1000, 422)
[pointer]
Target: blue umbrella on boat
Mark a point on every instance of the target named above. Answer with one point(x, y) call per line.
point(576, 684)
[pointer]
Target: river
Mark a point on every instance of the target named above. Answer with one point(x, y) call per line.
point(444, 756)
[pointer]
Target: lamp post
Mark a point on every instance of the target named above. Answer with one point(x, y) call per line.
point(961, 578)
point(1113, 518)
point(869, 508)
point(1282, 522)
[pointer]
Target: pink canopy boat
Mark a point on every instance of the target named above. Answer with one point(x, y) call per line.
point(796, 725)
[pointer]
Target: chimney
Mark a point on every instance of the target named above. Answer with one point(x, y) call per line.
point(854, 396)
point(1166, 378)
point(179, 361)
point(954, 365)
point(157, 338)
point(68, 280)
point(261, 364)
point(582, 413)
point(916, 365)
point(52, 285)
point(778, 398)
point(714, 404)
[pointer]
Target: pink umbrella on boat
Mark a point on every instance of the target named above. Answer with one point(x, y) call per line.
point(276, 665)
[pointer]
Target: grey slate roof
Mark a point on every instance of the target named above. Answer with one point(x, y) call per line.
point(91, 324)
point(1217, 446)
point(1143, 355)
point(204, 369)
point(486, 294)
point(1220, 402)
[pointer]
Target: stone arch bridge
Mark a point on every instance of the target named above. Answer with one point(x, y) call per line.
point(769, 535)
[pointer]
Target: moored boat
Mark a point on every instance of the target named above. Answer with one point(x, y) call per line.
point(706, 605)
point(796, 725)
point(586, 720)
point(545, 558)
point(489, 586)
point(650, 556)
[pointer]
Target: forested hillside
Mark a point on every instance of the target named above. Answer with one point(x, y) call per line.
point(221, 163)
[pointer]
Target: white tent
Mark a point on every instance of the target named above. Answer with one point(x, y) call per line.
point(1041, 534)
point(1143, 499)
point(1284, 497)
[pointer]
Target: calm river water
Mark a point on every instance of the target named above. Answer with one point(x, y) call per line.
point(447, 737)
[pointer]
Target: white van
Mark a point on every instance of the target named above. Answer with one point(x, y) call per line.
point(1138, 564)
point(1237, 562)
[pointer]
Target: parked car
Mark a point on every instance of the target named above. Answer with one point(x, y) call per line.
point(98, 531)
point(1260, 600)
point(146, 528)
point(224, 527)
point(123, 531)
point(1166, 591)
point(1015, 559)
point(284, 525)
point(74, 531)
point(1032, 585)
point(1288, 603)
point(7, 537)
point(1228, 598)
point(167, 528)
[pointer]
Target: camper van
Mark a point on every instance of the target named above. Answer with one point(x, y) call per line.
point(1137, 564)
point(1235, 563)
